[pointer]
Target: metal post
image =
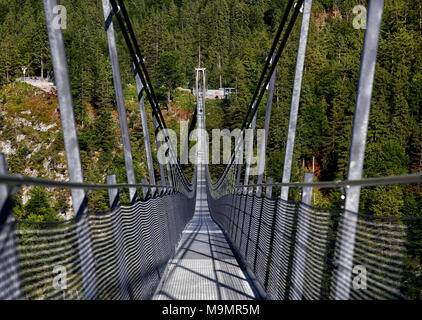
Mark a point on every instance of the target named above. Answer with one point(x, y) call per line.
point(169, 174)
point(113, 194)
point(10, 284)
point(262, 151)
point(117, 80)
point(145, 189)
point(239, 173)
point(197, 84)
point(156, 130)
point(71, 144)
point(357, 150)
point(144, 120)
point(160, 183)
point(297, 87)
point(184, 142)
point(117, 225)
point(250, 191)
point(269, 189)
point(204, 89)
point(249, 152)
point(299, 258)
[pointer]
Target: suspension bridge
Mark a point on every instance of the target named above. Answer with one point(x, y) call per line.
point(205, 239)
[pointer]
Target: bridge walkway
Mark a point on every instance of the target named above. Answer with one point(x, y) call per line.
point(204, 266)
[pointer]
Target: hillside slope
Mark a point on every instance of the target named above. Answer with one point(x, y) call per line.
point(31, 139)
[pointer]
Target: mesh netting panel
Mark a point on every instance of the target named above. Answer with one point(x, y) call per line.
point(105, 253)
point(386, 258)
point(284, 229)
point(10, 287)
point(130, 249)
point(314, 243)
point(265, 238)
point(292, 248)
point(41, 249)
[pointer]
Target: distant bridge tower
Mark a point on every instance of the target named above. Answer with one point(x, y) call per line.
point(201, 90)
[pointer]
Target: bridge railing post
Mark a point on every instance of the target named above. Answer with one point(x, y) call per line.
point(157, 140)
point(169, 174)
point(145, 130)
point(238, 173)
point(113, 194)
point(249, 153)
point(346, 243)
point(161, 188)
point(302, 235)
point(250, 209)
point(269, 189)
point(121, 109)
point(71, 144)
point(117, 225)
point(145, 189)
point(297, 88)
point(10, 283)
point(251, 189)
point(263, 149)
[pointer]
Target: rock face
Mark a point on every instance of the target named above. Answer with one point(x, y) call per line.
point(30, 136)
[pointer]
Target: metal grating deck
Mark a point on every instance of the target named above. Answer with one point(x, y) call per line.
point(204, 267)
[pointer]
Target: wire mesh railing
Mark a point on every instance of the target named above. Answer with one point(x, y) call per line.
point(120, 254)
point(131, 246)
point(289, 261)
point(295, 251)
point(292, 250)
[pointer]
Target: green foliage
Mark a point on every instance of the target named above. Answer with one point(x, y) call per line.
point(231, 39)
point(38, 208)
point(169, 71)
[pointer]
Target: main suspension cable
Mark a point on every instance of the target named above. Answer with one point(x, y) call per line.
point(253, 107)
point(268, 60)
point(143, 75)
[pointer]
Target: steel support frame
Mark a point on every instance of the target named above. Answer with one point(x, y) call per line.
point(269, 189)
point(346, 242)
point(263, 149)
point(121, 109)
point(297, 88)
point(162, 181)
point(249, 151)
point(144, 120)
point(71, 144)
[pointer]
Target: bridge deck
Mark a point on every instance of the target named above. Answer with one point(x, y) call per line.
point(204, 267)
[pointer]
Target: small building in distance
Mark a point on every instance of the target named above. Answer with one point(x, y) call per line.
point(222, 93)
point(47, 85)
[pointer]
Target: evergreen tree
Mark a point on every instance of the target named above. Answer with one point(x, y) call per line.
point(38, 208)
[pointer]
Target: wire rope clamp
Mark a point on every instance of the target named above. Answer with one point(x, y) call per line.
point(112, 12)
point(253, 105)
